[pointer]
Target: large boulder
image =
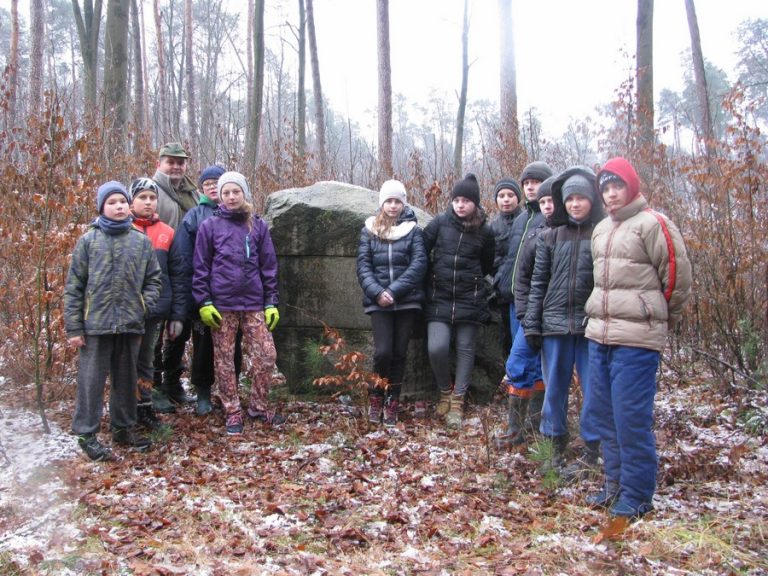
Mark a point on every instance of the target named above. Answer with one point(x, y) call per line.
point(316, 231)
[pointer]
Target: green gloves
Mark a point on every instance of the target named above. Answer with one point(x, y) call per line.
point(272, 317)
point(210, 316)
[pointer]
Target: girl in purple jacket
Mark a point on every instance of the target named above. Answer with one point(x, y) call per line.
point(235, 286)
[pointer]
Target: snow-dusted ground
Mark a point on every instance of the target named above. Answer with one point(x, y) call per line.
point(35, 503)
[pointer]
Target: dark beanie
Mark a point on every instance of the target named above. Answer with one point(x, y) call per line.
point(545, 189)
point(536, 171)
point(509, 184)
point(106, 190)
point(211, 173)
point(468, 188)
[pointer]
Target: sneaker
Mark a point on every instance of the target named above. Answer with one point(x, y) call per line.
point(94, 449)
point(267, 417)
point(129, 437)
point(375, 408)
point(147, 418)
point(420, 409)
point(390, 412)
point(235, 424)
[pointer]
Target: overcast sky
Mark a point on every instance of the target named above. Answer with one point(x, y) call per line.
point(571, 54)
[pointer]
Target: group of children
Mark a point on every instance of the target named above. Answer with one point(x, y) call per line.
point(131, 272)
point(580, 290)
point(583, 292)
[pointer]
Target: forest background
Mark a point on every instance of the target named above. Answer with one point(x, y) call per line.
point(90, 89)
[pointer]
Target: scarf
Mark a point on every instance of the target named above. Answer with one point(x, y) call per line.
point(112, 227)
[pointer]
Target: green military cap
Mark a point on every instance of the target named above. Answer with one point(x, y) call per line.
point(173, 149)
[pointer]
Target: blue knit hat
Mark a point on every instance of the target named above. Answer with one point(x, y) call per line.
point(106, 190)
point(211, 173)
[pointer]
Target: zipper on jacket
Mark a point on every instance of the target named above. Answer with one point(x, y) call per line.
point(455, 266)
point(531, 215)
point(605, 281)
point(247, 247)
point(572, 282)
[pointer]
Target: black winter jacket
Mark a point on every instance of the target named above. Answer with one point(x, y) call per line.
point(460, 258)
point(525, 263)
point(562, 276)
point(502, 228)
point(529, 220)
point(397, 264)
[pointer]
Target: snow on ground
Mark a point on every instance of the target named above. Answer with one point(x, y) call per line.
point(30, 484)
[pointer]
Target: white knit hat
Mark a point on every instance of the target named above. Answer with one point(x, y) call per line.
point(234, 178)
point(392, 189)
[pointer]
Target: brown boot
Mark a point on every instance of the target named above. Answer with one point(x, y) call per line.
point(456, 413)
point(444, 404)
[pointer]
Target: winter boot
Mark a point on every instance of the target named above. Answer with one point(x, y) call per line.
point(146, 417)
point(266, 417)
point(94, 449)
point(392, 405)
point(534, 410)
point(606, 497)
point(585, 464)
point(204, 405)
point(444, 404)
point(161, 403)
point(556, 461)
point(129, 437)
point(375, 407)
point(456, 412)
point(517, 406)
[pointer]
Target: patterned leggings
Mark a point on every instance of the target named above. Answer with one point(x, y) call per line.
point(258, 354)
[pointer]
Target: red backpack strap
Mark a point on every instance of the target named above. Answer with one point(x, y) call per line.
point(671, 249)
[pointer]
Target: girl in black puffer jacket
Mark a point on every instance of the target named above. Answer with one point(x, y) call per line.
point(391, 263)
point(461, 246)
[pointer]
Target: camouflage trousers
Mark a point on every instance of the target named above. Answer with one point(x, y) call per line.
point(258, 358)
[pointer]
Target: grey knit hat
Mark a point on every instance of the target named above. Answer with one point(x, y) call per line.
point(509, 184)
point(579, 184)
point(392, 189)
point(234, 178)
point(536, 171)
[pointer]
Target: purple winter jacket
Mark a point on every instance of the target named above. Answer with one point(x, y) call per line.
point(234, 268)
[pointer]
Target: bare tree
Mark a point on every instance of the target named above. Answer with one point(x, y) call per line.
point(257, 95)
point(164, 112)
point(301, 104)
point(644, 26)
point(37, 31)
point(116, 65)
point(190, 73)
point(706, 130)
point(317, 89)
point(459, 142)
point(385, 89)
point(88, 23)
point(139, 109)
point(508, 96)
point(12, 69)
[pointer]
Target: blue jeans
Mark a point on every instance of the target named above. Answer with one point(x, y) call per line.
point(624, 387)
point(523, 365)
point(559, 355)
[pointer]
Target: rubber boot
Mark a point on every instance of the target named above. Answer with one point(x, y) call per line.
point(534, 410)
point(444, 404)
point(517, 407)
point(556, 461)
point(456, 412)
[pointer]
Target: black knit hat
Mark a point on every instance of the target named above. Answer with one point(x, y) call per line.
point(509, 184)
point(545, 189)
point(536, 171)
point(468, 188)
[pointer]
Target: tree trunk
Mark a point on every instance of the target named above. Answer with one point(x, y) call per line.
point(645, 115)
point(139, 110)
point(163, 116)
point(37, 32)
point(385, 90)
point(254, 121)
point(508, 95)
point(12, 70)
point(116, 67)
point(88, 23)
point(705, 131)
point(190, 69)
point(301, 105)
point(317, 89)
point(459, 144)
